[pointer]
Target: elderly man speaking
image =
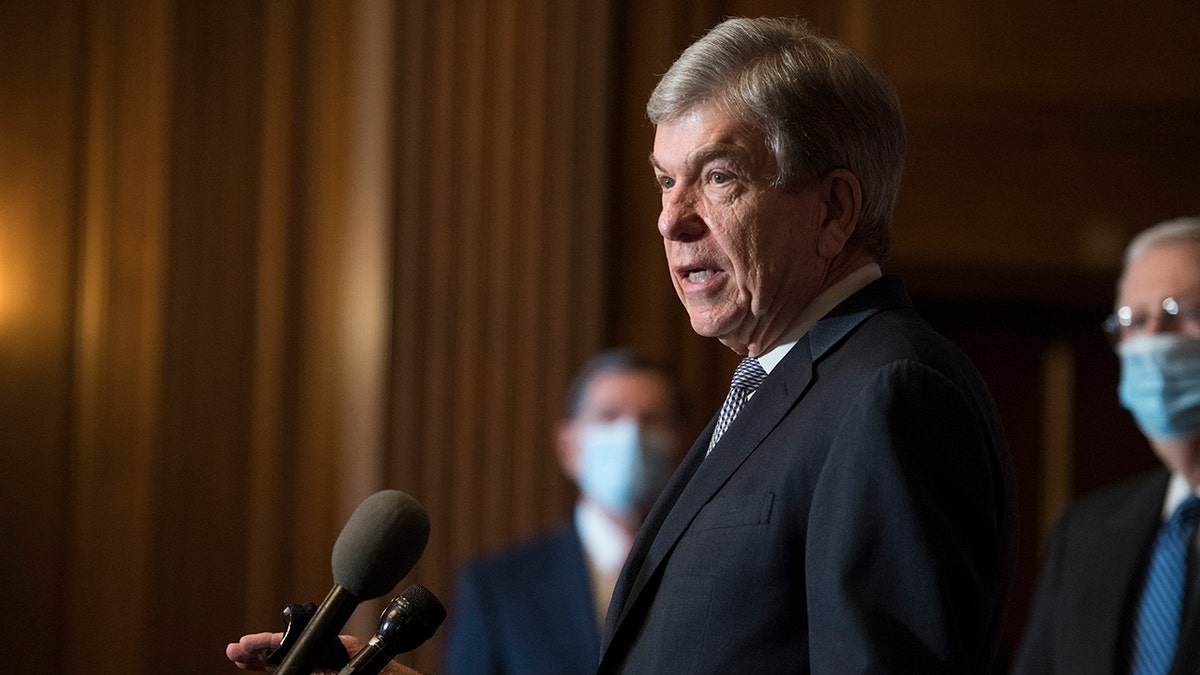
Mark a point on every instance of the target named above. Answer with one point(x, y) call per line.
point(849, 509)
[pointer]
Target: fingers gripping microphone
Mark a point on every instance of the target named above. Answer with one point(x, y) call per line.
point(381, 542)
point(410, 619)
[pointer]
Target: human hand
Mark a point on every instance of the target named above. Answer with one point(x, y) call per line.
point(251, 651)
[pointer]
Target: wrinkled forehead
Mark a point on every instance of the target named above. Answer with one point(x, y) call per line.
point(704, 134)
point(1166, 270)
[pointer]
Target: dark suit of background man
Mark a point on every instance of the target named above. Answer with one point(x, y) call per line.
point(1088, 613)
point(857, 514)
point(537, 607)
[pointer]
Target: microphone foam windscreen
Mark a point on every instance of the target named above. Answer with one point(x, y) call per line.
point(381, 542)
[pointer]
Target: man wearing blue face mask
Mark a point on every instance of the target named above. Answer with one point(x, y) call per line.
point(1120, 589)
point(538, 607)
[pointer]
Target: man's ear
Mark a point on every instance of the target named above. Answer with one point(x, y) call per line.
point(843, 206)
point(566, 447)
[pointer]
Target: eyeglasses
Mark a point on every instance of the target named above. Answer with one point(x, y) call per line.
point(1178, 316)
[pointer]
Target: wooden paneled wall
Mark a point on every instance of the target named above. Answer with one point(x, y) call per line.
point(261, 259)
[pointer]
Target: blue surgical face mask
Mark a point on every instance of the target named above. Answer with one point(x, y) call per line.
point(621, 466)
point(1160, 384)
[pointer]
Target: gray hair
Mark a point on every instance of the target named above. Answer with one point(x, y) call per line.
point(820, 105)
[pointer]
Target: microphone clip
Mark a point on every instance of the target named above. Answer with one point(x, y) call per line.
point(333, 655)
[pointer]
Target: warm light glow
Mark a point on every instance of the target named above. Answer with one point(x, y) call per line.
point(15, 294)
point(5, 292)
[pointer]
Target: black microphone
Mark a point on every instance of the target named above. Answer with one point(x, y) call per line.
point(381, 542)
point(410, 619)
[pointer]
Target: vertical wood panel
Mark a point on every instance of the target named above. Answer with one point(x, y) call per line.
point(267, 549)
point(205, 400)
point(319, 502)
point(1058, 397)
point(413, 181)
point(441, 227)
point(367, 263)
point(468, 255)
point(504, 189)
point(365, 271)
point(120, 343)
point(43, 48)
point(490, 281)
point(526, 371)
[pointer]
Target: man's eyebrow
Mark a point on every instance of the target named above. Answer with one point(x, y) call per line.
point(723, 151)
point(716, 151)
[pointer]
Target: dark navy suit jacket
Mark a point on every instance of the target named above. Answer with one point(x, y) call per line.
point(525, 610)
point(856, 517)
point(1091, 581)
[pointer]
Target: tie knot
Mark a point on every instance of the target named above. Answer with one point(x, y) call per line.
point(1187, 513)
point(748, 375)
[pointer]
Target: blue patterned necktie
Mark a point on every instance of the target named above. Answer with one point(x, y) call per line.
point(746, 378)
point(1156, 632)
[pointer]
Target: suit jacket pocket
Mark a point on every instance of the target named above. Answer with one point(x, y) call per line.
point(734, 511)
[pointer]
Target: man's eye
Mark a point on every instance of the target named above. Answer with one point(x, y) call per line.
point(719, 178)
point(666, 182)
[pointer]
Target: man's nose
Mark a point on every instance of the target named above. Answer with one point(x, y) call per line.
point(1161, 322)
point(680, 220)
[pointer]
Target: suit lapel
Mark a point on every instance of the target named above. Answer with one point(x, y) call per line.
point(761, 413)
point(699, 478)
point(572, 579)
point(1123, 570)
point(622, 595)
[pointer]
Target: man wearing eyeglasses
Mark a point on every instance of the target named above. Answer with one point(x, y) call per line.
point(1120, 588)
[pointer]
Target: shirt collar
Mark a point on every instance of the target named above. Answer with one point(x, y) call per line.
point(1177, 491)
point(819, 307)
point(604, 542)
